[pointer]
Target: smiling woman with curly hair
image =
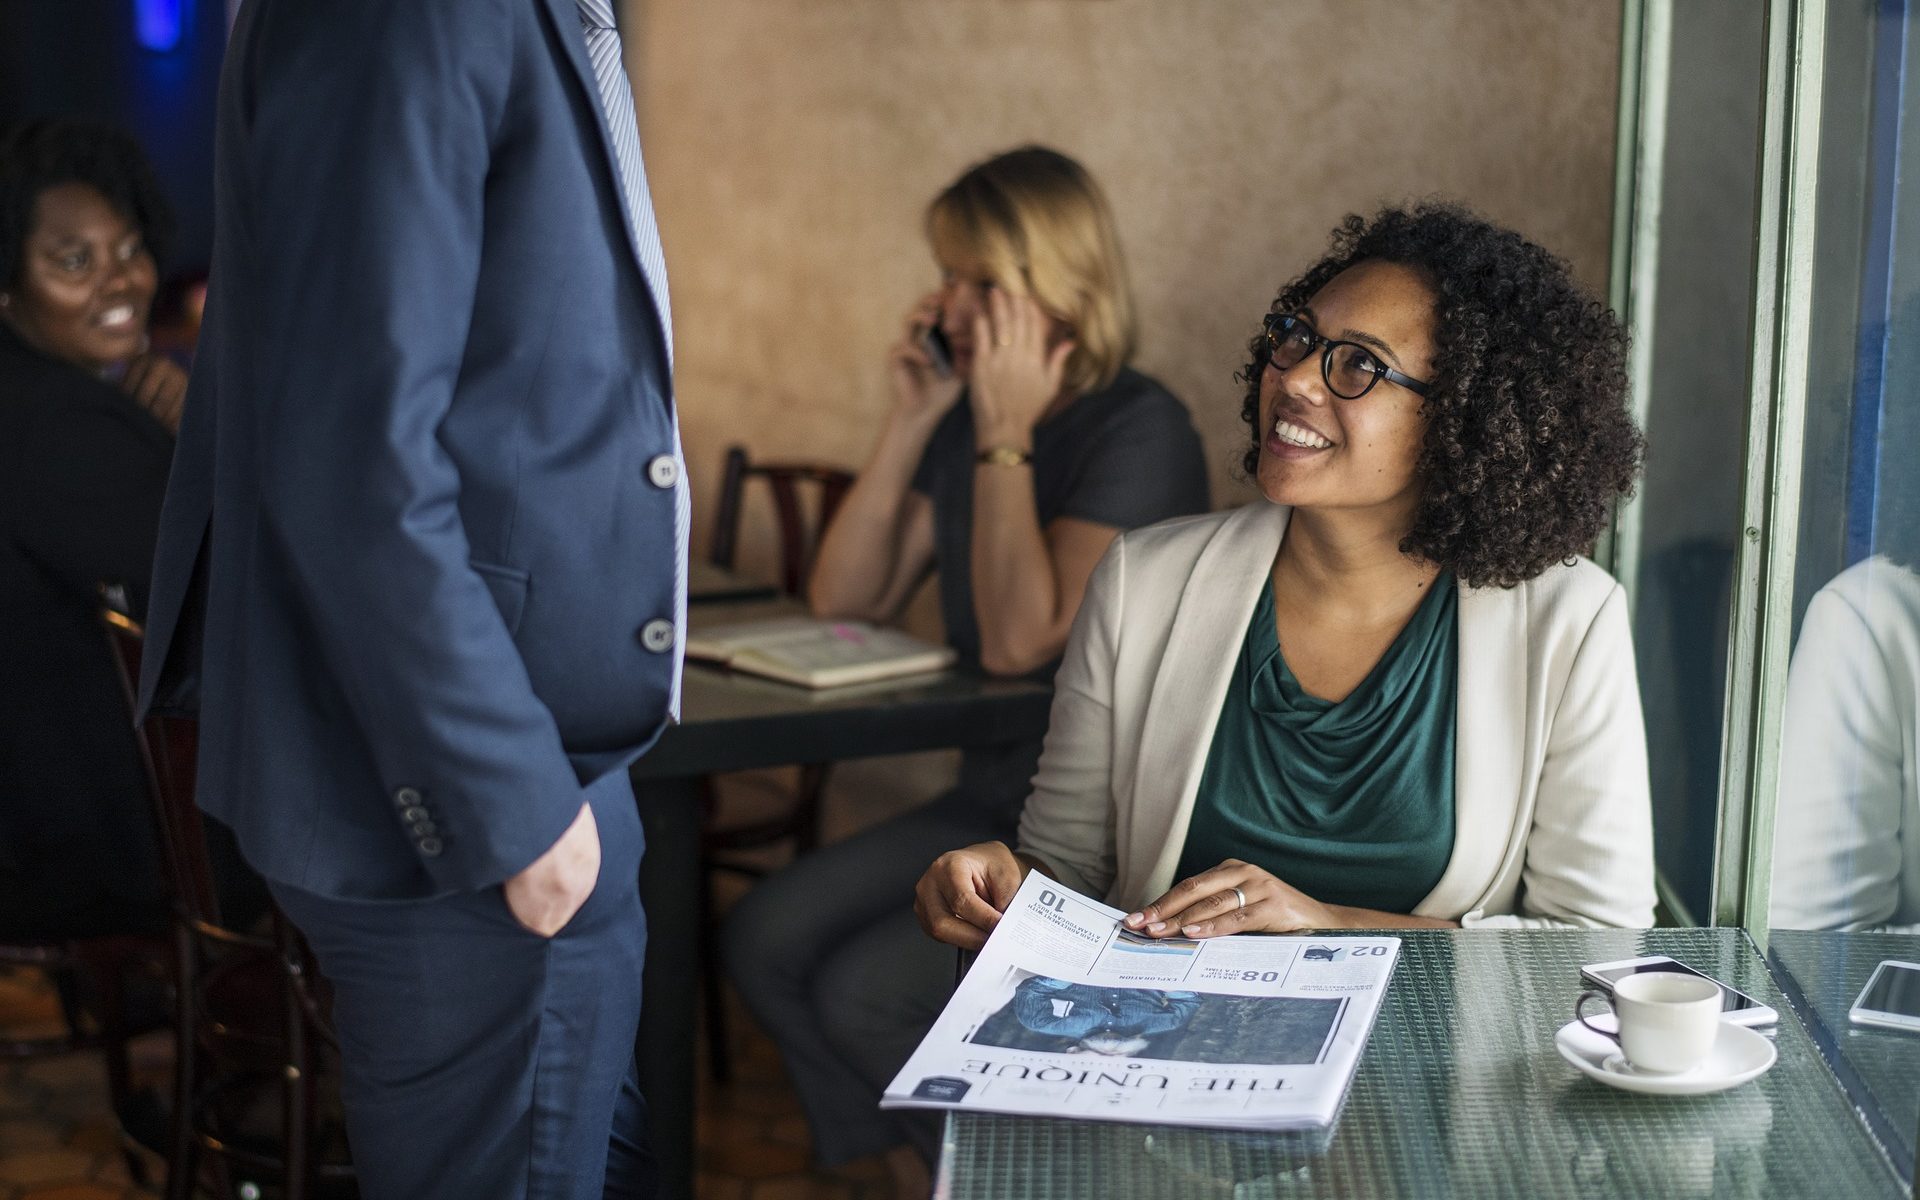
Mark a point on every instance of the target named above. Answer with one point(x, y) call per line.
point(1528, 442)
point(1394, 695)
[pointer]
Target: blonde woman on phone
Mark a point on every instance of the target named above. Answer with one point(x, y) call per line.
point(1018, 445)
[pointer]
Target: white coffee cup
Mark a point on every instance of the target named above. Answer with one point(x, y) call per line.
point(1668, 1023)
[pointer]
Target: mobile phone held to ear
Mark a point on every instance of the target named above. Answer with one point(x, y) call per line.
point(1735, 1006)
point(933, 340)
point(1891, 998)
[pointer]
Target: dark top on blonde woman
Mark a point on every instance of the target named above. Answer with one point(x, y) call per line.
point(1124, 456)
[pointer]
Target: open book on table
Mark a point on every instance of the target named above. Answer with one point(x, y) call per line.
point(816, 653)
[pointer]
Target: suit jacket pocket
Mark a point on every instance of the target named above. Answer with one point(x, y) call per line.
point(509, 586)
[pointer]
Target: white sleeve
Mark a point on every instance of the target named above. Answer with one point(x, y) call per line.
point(1589, 855)
point(1068, 822)
point(1837, 853)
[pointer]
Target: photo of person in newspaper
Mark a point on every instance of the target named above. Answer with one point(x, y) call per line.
point(1062, 1017)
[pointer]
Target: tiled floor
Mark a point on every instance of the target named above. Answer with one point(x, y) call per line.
point(753, 1142)
point(58, 1140)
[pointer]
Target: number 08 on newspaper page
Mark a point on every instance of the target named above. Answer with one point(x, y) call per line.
point(1066, 1013)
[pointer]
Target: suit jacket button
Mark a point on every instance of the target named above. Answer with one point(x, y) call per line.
point(657, 635)
point(407, 797)
point(430, 846)
point(663, 472)
point(415, 815)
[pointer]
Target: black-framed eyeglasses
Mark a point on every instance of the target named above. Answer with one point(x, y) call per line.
point(1349, 368)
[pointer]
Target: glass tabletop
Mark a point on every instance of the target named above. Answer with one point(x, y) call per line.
point(1828, 969)
point(1461, 1093)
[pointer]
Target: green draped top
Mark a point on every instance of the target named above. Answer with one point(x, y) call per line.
point(1352, 803)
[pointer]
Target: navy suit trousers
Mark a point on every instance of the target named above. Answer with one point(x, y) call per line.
point(483, 1061)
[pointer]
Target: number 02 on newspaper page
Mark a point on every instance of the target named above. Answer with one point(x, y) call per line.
point(1066, 1013)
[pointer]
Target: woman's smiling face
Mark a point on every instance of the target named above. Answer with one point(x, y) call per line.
point(1318, 450)
point(86, 280)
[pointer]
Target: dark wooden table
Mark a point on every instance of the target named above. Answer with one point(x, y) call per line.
point(710, 584)
point(736, 722)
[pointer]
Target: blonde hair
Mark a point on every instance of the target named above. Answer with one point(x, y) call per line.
point(1037, 222)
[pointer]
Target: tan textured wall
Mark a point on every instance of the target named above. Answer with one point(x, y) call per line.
point(792, 145)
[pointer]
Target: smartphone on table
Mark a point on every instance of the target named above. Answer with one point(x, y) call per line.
point(1891, 998)
point(1735, 1005)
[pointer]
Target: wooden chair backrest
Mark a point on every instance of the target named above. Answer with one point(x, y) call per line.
point(800, 529)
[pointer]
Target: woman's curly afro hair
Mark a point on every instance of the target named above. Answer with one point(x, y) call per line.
point(1528, 440)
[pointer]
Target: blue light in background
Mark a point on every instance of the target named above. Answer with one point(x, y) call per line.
point(157, 23)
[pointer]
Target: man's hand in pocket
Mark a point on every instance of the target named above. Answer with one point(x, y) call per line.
point(545, 896)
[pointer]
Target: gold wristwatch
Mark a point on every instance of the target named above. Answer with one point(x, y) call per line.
point(1004, 456)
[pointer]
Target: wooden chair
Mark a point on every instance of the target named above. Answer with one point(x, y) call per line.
point(799, 530)
point(249, 1016)
point(100, 966)
point(800, 526)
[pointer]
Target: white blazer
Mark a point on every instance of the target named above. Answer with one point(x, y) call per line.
point(1552, 820)
point(1846, 853)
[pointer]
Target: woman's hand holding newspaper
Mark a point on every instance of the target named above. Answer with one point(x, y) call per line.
point(960, 898)
point(1234, 897)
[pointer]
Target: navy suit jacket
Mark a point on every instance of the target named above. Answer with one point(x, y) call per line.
point(412, 533)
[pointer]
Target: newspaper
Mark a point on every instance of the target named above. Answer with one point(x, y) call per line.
point(1066, 1013)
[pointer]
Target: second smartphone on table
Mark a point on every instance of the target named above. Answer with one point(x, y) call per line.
point(1736, 1006)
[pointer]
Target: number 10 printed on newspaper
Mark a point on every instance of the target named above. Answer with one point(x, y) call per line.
point(1066, 1013)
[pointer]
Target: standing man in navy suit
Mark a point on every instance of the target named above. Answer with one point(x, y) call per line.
point(422, 563)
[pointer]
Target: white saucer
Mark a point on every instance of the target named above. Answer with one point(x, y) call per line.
point(1738, 1054)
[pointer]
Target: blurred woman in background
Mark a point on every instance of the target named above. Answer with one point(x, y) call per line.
point(1019, 443)
point(87, 420)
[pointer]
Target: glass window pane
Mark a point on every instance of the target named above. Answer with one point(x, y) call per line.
point(1846, 881)
point(1687, 516)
